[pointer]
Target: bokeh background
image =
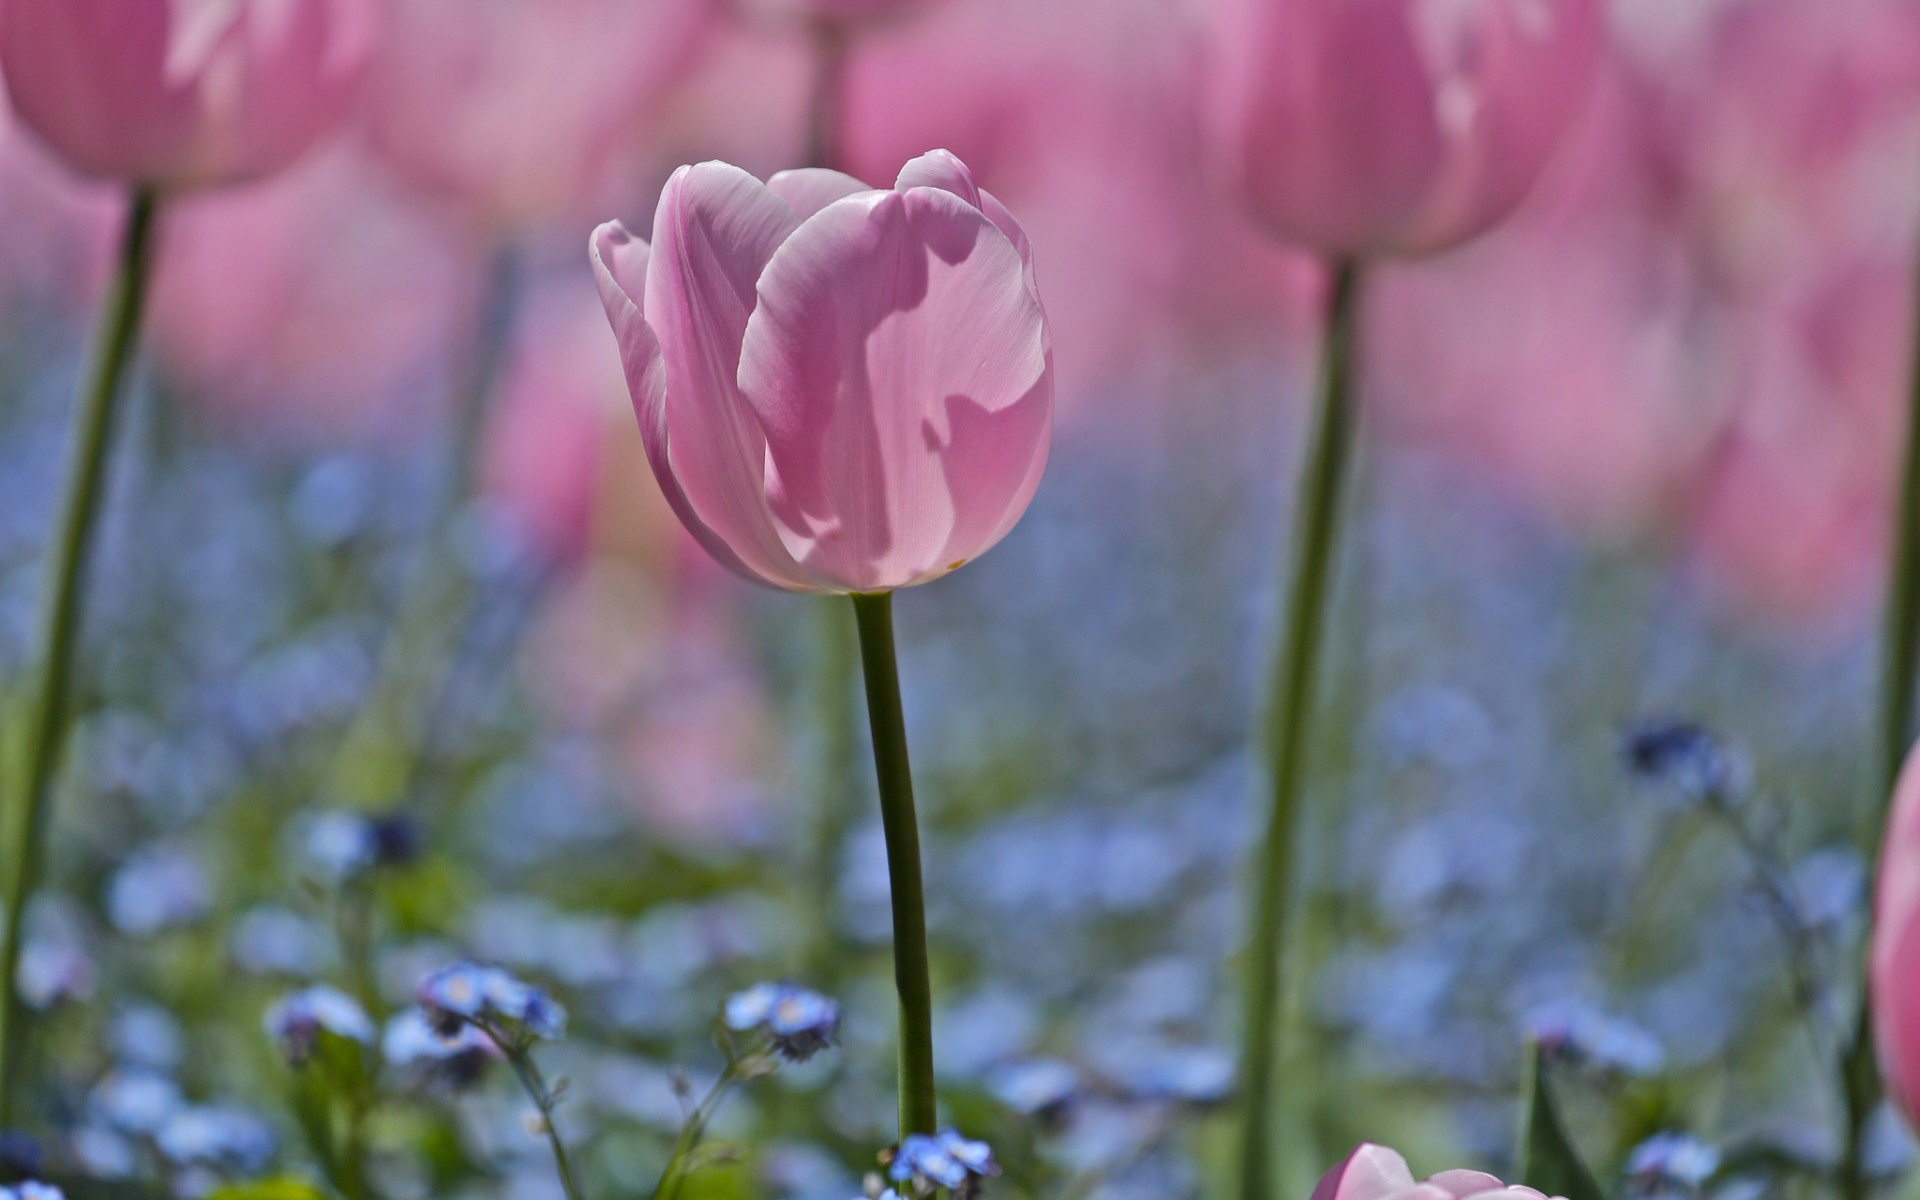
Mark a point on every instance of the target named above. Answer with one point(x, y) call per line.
point(384, 543)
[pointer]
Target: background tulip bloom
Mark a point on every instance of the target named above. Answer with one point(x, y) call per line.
point(184, 93)
point(510, 110)
point(1894, 963)
point(1398, 126)
point(1374, 1172)
point(840, 389)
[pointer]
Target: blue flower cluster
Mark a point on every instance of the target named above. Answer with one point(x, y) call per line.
point(925, 1163)
point(296, 1020)
point(801, 1022)
point(1672, 1161)
point(468, 993)
point(344, 845)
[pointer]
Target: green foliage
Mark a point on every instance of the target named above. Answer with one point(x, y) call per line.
point(1548, 1159)
point(278, 1187)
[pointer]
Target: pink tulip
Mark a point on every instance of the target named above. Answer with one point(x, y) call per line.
point(560, 432)
point(184, 93)
point(1560, 353)
point(510, 110)
point(1398, 126)
point(1893, 968)
point(1373, 1172)
point(844, 11)
point(1085, 116)
point(841, 389)
point(318, 308)
point(59, 240)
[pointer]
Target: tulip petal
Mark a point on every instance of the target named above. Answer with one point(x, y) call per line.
point(76, 72)
point(898, 362)
point(714, 232)
point(1894, 961)
point(807, 190)
point(620, 263)
point(943, 169)
point(1370, 1172)
point(1463, 1183)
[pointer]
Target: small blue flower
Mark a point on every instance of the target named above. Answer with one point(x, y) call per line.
point(136, 1102)
point(32, 1189)
point(473, 993)
point(1686, 755)
point(410, 1039)
point(217, 1136)
point(1038, 1087)
point(342, 845)
point(295, 1020)
point(942, 1160)
point(272, 940)
point(1597, 1039)
point(801, 1022)
point(1673, 1158)
point(159, 888)
point(147, 1035)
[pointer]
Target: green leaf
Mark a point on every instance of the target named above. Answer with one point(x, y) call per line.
point(279, 1187)
point(1548, 1159)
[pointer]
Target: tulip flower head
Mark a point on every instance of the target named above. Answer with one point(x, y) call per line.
point(841, 389)
point(1373, 1172)
point(506, 111)
point(1893, 967)
point(1370, 127)
point(184, 93)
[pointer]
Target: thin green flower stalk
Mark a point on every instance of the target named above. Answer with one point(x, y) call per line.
point(1286, 729)
point(873, 613)
point(1899, 660)
point(28, 795)
point(517, 1049)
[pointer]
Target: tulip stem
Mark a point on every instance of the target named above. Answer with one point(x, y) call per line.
point(1286, 725)
point(1899, 650)
point(873, 613)
point(828, 101)
point(63, 601)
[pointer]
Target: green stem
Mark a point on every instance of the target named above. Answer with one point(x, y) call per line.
point(534, 1084)
point(1286, 727)
point(873, 613)
point(828, 100)
point(679, 1163)
point(25, 816)
point(1899, 649)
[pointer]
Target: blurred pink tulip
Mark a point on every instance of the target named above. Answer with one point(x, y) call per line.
point(319, 308)
point(1893, 967)
point(512, 110)
point(1560, 352)
point(1085, 116)
point(1793, 502)
point(59, 241)
point(841, 389)
point(184, 93)
point(1373, 1172)
point(561, 438)
point(1369, 127)
point(844, 11)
